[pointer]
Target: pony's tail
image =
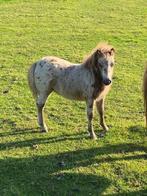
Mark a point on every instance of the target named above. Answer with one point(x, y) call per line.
point(31, 80)
point(145, 93)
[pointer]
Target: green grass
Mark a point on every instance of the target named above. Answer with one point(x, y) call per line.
point(64, 161)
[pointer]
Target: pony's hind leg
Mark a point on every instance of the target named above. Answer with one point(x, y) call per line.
point(40, 102)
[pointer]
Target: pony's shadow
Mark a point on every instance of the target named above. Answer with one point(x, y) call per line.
point(14, 129)
point(29, 130)
point(18, 131)
point(37, 141)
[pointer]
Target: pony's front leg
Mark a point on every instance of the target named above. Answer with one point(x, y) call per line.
point(90, 117)
point(40, 105)
point(100, 109)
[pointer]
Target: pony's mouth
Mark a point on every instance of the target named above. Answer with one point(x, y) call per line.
point(107, 81)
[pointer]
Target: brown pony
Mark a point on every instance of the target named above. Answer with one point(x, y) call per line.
point(89, 81)
point(145, 93)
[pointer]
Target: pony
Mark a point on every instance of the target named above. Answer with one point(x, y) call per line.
point(145, 93)
point(88, 81)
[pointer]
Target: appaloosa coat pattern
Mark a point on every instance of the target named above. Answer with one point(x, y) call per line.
point(89, 81)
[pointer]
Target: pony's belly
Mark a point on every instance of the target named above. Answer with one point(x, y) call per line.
point(70, 94)
point(76, 96)
point(70, 89)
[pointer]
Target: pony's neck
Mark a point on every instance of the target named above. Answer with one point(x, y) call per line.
point(97, 77)
point(98, 84)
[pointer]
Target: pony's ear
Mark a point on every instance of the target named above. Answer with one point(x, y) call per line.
point(96, 55)
point(92, 60)
point(99, 53)
point(112, 51)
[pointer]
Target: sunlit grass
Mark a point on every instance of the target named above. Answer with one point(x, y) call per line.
point(65, 161)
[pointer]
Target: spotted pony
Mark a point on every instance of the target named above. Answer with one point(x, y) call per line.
point(89, 81)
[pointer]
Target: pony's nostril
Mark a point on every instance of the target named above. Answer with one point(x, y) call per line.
point(107, 81)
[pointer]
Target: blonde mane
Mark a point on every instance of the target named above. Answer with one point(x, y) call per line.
point(104, 48)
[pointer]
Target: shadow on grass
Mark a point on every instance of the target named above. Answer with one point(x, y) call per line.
point(31, 142)
point(23, 131)
point(52, 175)
point(121, 148)
point(36, 177)
point(18, 131)
point(137, 129)
point(14, 129)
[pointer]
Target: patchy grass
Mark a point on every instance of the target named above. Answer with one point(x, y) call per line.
point(64, 161)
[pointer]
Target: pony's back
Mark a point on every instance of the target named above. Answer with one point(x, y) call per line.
point(145, 93)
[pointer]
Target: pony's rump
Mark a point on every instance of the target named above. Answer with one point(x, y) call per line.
point(31, 80)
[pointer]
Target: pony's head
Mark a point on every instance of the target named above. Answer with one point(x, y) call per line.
point(101, 61)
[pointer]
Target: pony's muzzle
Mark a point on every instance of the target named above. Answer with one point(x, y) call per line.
point(107, 81)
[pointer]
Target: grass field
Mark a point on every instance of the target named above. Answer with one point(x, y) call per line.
point(65, 161)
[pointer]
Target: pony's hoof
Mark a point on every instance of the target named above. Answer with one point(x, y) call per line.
point(93, 136)
point(106, 129)
point(44, 130)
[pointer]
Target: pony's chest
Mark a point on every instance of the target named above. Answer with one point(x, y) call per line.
point(100, 91)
